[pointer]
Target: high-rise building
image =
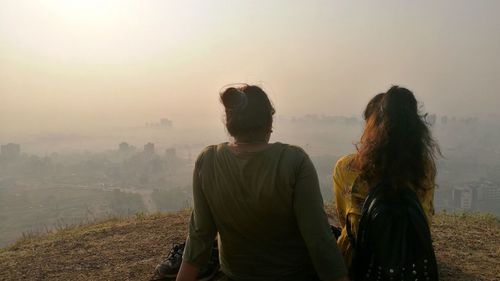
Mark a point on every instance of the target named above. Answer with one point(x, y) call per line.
point(10, 151)
point(124, 147)
point(464, 197)
point(165, 123)
point(170, 153)
point(149, 148)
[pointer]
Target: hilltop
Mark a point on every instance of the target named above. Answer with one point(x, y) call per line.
point(467, 247)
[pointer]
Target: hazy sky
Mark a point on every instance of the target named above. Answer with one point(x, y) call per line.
point(94, 63)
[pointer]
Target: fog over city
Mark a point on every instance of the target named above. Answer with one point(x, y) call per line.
point(106, 104)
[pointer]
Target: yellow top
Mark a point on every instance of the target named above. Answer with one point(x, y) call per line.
point(350, 193)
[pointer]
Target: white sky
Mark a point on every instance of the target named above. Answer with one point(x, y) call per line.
point(93, 63)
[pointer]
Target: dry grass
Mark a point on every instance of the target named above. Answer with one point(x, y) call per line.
point(467, 246)
point(112, 250)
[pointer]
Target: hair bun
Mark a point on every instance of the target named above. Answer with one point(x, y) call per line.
point(234, 99)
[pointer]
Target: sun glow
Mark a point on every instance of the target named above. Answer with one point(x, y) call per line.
point(87, 31)
point(77, 59)
point(87, 11)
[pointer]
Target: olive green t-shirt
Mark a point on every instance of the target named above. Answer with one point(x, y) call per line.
point(268, 211)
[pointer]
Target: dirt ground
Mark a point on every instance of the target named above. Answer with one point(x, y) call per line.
point(467, 247)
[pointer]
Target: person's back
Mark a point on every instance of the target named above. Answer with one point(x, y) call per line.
point(350, 192)
point(397, 148)
point(253, 200)
point(264, 201)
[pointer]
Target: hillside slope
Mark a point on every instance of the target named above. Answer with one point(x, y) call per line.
point(467, 246)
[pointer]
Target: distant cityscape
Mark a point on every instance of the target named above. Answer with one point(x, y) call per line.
point(476, 196)
point(64, 188)
point(44, 192)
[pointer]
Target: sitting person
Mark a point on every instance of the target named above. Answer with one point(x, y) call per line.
point(264, 201)
point(396, 146)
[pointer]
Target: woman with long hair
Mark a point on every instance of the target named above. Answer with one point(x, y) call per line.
point(264, 201)
point(396, 147)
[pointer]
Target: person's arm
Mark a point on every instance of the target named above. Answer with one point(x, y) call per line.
point(314, 227)
point(202, 231)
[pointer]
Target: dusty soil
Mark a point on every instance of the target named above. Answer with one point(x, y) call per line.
point(467, 247)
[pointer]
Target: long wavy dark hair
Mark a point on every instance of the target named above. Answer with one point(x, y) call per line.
point(397, 145)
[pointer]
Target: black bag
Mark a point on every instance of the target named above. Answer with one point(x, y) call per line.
point(393, 240)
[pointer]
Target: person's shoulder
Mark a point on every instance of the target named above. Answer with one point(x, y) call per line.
point(292, 149)
point(209, 150)
point(345, 162)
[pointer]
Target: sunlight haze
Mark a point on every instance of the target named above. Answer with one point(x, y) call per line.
point(105, 106)
point(90, 65)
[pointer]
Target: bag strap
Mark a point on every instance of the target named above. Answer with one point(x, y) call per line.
point(364, 210)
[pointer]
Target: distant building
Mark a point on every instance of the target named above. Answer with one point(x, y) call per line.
point(171, 153)
point(482, 195)
point(10, 151)
point(488, 196)
point(124, 147)
point(491, 193)
point(149, 148)
point(464, 197)
point(166, 123)
point(467, 199)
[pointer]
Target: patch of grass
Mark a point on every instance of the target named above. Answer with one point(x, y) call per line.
point(466, 247)
point(468, 216)
point(140, 216)
point(70, 231)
